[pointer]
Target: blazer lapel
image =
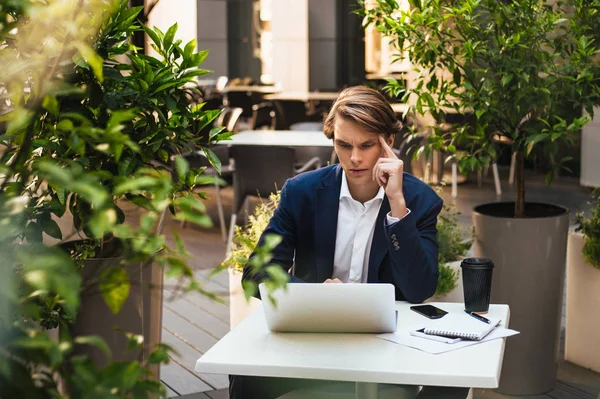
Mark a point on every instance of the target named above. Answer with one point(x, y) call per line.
point(379, 244)
point(326, 216)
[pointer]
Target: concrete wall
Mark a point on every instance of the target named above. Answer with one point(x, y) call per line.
point(323, 36)
point(290, 44)
point(212, 34)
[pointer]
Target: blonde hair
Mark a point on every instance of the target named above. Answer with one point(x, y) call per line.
point(366, 107)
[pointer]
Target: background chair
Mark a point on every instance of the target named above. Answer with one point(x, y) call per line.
point(263, 115)
point(309, 153)
point(260, 171)
point(228, 119)
point(288, 112)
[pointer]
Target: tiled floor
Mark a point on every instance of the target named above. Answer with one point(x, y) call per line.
point(192, 323)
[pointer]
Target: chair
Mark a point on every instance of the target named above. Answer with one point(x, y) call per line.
point(198, 159)
point(229, 118)
point(307, 154)
point(260, 170)
point(288, 112)
point(241, 99)
point(263, 115)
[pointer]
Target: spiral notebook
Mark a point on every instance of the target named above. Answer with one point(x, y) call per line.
point(457, 325)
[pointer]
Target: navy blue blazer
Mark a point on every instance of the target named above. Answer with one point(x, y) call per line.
point(404, 253)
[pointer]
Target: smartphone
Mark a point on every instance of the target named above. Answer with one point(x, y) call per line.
point(429, 311)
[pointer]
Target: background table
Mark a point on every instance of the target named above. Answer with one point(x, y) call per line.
point(282, 138)
point(251, 349)
point(303, 96)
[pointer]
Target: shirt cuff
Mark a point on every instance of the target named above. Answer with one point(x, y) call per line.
point(391, 219)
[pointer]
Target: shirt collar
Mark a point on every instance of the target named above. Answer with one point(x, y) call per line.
point(345, 191)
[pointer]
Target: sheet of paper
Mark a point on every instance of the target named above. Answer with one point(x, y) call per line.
point(403, 337)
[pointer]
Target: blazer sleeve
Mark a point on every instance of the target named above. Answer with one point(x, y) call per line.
point(282, 223)
point(413, 248)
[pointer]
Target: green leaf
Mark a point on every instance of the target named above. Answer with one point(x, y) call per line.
point(134, 341)
point(95, 341)
point(213, 159)
point(51, 104)
point(51, 270)
point(102, 221)
point(189, 48)
point(250, 288)
point(114, 287)
point(92, 58)
point(161, 354)
point(135, 184)
point(153, 36)
point(166, 86)
point(181, 167)
point(215, 131)
point(169, 36)
point(549, 177)
point(198, 58)
point(50, 227)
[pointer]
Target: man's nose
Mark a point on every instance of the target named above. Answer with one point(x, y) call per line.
point(355, 157)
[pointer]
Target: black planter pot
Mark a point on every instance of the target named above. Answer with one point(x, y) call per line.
point(141, 314)
point(529, 256)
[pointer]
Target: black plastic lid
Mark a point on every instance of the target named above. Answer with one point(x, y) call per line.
point(475, 263)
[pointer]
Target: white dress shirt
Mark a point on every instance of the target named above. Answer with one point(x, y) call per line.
point(355, 228)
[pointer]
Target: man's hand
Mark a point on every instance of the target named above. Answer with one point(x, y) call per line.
point(388, 174)
point(333, 281)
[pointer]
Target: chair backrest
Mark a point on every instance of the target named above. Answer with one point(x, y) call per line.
point(229, 118)
point(242, 99)
point(263, 114)
point(260, 171)
point(288, 112)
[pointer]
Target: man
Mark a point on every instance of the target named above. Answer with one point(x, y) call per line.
point(362, 221)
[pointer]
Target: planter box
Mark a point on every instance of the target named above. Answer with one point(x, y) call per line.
point(239, 307)
point(582, 335)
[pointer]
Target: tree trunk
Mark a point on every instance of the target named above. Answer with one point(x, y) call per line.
point(520, 179)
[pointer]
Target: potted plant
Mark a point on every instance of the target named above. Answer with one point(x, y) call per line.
point(245, 239)
point(583, 279)
point(453, 246)
point(522, 71)
point(89, 136)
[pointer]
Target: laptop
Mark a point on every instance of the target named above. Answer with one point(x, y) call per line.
point(331, 308)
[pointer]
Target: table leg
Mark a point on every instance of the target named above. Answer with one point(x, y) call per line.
point(367, 390)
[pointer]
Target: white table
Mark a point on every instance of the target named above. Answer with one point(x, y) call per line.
point(250, 349)
point(255, 89)
point(303, 96)
point(282, 138)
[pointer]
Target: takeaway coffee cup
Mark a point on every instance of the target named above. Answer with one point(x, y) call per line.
point(477, 282)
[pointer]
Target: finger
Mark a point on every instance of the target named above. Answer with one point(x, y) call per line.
point(380, 176)
point(328, 281)
point(386, 148)
point(376, 174)
point(337, 281)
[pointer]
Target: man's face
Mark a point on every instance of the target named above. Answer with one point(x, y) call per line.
point(358, 151)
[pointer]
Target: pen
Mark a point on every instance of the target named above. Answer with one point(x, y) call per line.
point(480, 318)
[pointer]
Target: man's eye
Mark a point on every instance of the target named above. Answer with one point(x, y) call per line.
point(344, 145)
point(369, 145)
